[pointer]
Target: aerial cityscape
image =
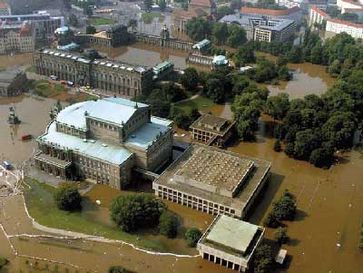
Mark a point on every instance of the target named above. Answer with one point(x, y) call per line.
point(201, 136)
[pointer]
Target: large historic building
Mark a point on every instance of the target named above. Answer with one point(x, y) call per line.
point(12, 82)
point(213, 181)
point(103, 141)
point(113, 77)
point(230, 242)
point(16, 37)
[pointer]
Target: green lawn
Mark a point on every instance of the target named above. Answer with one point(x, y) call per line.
point(46, 89)
point(148, 17)
point(41, 206)
point(98, 21)
point(201, 103)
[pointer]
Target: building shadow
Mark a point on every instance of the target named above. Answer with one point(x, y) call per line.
point(265, 198)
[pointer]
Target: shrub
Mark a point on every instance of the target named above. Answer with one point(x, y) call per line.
point(3, 262)
point(192, 236)
point(136, 211)
point(271, 221)
point(281, 236)
point(277, 146)
point(68, 198)
point(285, 208)
point(168, 224)
point(118, 269)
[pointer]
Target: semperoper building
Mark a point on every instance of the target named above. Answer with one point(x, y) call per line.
point(103, 141)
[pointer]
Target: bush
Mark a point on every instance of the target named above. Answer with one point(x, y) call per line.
point(277, 146)
point(281, 236)
point(168, 224)
point(67, 197)
point(118, 269)
point(271, 221)
point(321, 157)
point(285, 208)
point(136, 211)
point(192, 236)
point(3, 262)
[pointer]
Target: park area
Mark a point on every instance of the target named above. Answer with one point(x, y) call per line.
point(99, 21)
point(94, 218)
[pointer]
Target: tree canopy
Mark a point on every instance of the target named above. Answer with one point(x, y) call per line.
point(67, 197)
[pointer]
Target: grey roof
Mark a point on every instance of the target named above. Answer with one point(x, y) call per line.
point(91, 148)
point(112, 110)
point(7, 76)
point(232, 233)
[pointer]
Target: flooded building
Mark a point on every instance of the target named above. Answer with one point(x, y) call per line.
point(103, 141)
point(12, 82)
point(163, 70)
point(112, 77)
point(16, 37)
point(213, 181)
point(230, 242)
point(212, 130)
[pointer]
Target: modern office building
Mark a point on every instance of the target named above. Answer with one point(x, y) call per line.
point(212, 130)
point(261, 28)
point(112, 77)
point(293, 13)
point(230, 242)
point(103, 141)
point(213, 181)
point(16, 37)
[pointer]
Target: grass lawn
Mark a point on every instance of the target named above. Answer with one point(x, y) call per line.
point(42, 208)
point(148, 17)
point(98, 21)
point(46, 89)
point(201, 103)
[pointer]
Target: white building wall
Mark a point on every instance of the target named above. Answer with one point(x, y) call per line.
point(335, 27)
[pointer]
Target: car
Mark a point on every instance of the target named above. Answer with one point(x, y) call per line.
point(53, 77)
point(70, 83)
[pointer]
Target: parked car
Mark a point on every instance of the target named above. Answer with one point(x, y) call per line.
point(70, 83)
point(53, 77)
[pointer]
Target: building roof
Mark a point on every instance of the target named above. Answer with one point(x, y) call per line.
point(113, 110)
point(92, 148)
point(7, 76)
point(148, 133)
point(345, 23)
point(161, 66)
point(202, 44)
point(232, 233)
point(211, 123)
point(320, 11)
point(202, 3)
point(242, 197)
point(270, 12)
point(61, 30)
point(220, 60)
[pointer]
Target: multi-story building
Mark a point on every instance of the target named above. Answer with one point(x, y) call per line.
point(317, 16)
point(43, 24)
point(293, 13)
point(261, 28)
point(16, 37)
point(230, 242)
point(213, 181)
point(212, 130)
point(12, 82)
point(112, 77)
point(335, 26)
point(196, 8)
point(103, 141)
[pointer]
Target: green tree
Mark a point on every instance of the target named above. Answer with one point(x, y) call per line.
point(136, 211)
point(278, 106)
point(214, 89)
point(284, 73)
point(190, 79)
point(285, 207)
point(220, 33)
point(263, 260)
point(132, 24)
point(73, 20)
point(168, 224)
point(90, 29)
point(192, 236)
point(67, 197)
point(306, 141)
point(223, 11)
point(281, 236)
point(244, 55)
point(3, 262)
point(322, 157)
point(334, 68)
point(236, 36)
point(198, 28)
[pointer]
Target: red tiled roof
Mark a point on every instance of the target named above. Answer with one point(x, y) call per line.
point(272, 12)
point(321, 12)
point(346, 23)
point(4, 5)
point(203, 3)
point(352, 2)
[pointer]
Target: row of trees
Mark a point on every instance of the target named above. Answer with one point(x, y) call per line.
point(221, 33)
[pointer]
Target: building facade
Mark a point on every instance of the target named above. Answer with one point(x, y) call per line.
point(114, 78)
point(213, 181)
point(16, 37)
point(5, 8)
point(12, 82)
point(212, 130)
point(293, 13)
point(103, 141)
point(335, 26)
point(230, 242)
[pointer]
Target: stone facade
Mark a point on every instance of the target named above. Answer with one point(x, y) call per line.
point(16, 37)
point(87, 140)
point(114, 78)
point(12, 83)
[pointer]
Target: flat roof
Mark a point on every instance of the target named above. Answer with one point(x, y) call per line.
point(232, 233)
point(241, 199)
point(214, 168)
point(91, 148)
point(211, 123)
point(113, 110)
